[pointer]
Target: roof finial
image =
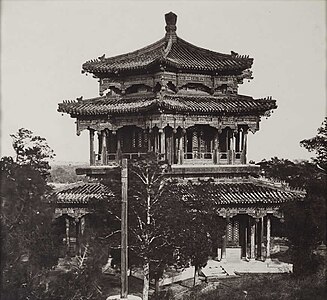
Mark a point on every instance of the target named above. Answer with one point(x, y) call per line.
point(171, 20)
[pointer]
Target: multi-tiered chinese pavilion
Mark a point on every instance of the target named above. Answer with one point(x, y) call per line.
point(181, 101)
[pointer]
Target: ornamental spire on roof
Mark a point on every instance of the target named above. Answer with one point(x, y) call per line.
point(172, 53)
point(171, 20)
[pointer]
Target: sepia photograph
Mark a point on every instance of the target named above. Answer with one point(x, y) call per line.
point(160, 150)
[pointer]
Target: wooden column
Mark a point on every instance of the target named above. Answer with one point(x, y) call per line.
point(185, 142)
point(244, 146)
point(119, 152)
point(92, 158)
point(175, 146)
point(104, 147)
point(199, 143)
point(149, 140)
point(67, 233)
point(180, 151)
point(252, 248)
point(268, 237)
point(224, 241)
point(82, 225)
point(229, 146)
point(124, 233)
point(260, 239)
point(246, 240)
point(99, 143)
point(233, 146)
point(162, 142)
point(216, 148)
point(78, 232)
point(172, 148)
point(155, 141)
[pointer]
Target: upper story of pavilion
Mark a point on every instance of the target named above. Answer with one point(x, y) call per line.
point(172, 98)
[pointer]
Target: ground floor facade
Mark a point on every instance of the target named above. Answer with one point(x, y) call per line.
point(247, 211)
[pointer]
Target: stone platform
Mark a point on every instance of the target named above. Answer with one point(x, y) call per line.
point(216, 270)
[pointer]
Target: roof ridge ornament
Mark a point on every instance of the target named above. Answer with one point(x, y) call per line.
point(171, 19)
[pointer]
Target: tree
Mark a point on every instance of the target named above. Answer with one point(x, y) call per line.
point(152, 211)
point(319, 145)
point(165, 227)
point(305, 221)
point(32, 150)
point(66, 174)
point(28, 239)
point(147, 233)
point(196, 225)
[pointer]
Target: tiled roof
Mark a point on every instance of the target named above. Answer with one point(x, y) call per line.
point(236, 104)
point(81, 193)
point(237, 193)
point(229, 192)
point(170, 51)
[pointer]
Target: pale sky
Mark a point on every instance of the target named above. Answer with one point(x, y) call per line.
point(45, 43)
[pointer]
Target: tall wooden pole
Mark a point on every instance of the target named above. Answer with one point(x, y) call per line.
point(124, 256)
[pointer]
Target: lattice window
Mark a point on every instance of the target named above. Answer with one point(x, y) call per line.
point(133, 139)
point(202, 141)
point(236, 236)
point(233, 232)
point(229, 231)
point(146, 137)
point(139, 139)
point(194, 141)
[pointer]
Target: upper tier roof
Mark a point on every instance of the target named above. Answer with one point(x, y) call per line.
point(170, 51)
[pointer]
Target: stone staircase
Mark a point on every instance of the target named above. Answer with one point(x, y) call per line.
point(214, 270)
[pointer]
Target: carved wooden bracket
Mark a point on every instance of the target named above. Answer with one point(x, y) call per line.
point(74, 212)
point(253, 212)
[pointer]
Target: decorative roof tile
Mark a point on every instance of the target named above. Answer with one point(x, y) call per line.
point(170, 51)
point(81, 193)
point(236, 104)
point(226, 192)
point(243, 192)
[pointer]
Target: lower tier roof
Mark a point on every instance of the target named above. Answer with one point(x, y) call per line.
point(199, 104)
point(236, 193)
point(82, 193)
point(231, 192)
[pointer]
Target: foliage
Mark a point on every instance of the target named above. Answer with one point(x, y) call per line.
point(304, 224)
point(28, 240)
point(305, 221)
point(318, 144)
point(32, 150)
point(261, 287)
point(83, 280)
point(65, 174)
point(29, 244)
point(160, 222)
point(148, 234)
point(194, 229)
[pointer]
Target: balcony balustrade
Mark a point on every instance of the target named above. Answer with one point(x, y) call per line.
point(188, 158)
